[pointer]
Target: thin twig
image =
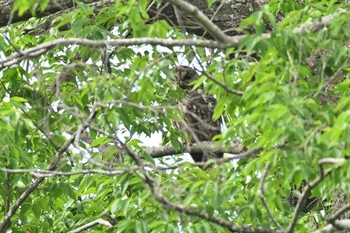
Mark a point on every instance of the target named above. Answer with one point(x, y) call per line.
point(49, 173)
point(223, 85)
point(262, 198)
point(306, 193)
point(52, 166)
point(153, 185)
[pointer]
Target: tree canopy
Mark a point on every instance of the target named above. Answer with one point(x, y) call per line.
point(86, 85)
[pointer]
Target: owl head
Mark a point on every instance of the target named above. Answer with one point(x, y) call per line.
point(185, 75)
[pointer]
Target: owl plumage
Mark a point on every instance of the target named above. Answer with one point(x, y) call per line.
point(197, 109)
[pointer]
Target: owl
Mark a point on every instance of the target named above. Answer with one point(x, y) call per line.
point(197, 110)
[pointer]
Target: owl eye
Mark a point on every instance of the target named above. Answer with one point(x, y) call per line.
point(187, 77)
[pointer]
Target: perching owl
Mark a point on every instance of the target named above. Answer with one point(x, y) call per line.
point(197, 109)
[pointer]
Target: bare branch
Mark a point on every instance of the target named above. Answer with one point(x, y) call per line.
point(207, 24)
point(343, 224)
point(223, 85)
point(208, 146)
point(331, 161)
point(43, 48)
point(317, 25)
point(91, 224)
point(338, 213)
point(244, 155)
point(48, 173)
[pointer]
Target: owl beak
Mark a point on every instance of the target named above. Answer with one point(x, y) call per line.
point(183, 85)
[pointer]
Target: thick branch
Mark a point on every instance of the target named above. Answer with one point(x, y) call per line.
point(43, 48)
point(343, 224)
point(209, 146)
point(91, 224)
point(207, 24)
point(338, 213)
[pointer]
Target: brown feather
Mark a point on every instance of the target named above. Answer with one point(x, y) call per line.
point(197, 109)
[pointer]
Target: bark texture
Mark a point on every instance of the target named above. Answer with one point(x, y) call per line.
point(227, 15)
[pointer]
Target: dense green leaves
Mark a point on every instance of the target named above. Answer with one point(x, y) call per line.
point(294, 108)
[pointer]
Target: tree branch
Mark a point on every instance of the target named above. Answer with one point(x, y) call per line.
point(262, 198)
point(209, 146)
point(52, 166)
point(338, 213)
point(43, 48)
point(306, 193)
point(91, 224)
point(343, 224)
point(207, 24)
point(153, 185)
point(233, 42)
point(112, 171)
point(318, 24)
point(49, 173)
point(221, 222)
point(223, 85)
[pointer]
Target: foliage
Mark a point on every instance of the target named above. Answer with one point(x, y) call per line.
point(294, 108)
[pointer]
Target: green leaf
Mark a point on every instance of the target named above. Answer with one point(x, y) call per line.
point(43, 4)
point(22, 6)
point(100, 141)
point(18, 99)
point(85, 8)
point(210, 3)
point(124, 118)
